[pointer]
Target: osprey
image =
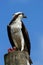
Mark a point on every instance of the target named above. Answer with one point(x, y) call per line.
point(18, 34)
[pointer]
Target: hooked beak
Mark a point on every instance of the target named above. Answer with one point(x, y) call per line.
point(24, 16)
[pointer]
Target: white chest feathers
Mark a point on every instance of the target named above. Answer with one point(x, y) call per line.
point(17, 24)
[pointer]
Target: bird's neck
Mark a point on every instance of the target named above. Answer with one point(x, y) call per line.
point(18, 20)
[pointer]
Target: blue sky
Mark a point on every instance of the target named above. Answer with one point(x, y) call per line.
point(34, 24)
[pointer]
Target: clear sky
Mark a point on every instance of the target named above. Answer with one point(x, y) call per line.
point(34, 24)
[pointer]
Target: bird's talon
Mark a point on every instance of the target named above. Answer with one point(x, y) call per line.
point(11, 49)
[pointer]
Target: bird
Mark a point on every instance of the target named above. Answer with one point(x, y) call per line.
point(18, 34)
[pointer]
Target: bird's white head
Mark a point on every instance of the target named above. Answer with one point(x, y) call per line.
point(19, 15)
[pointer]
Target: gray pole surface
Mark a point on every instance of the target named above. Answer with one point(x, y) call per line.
point(16, 58)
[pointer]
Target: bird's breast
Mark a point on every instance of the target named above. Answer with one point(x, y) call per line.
point(16, 25)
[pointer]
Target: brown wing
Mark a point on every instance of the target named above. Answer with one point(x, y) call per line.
point(26, 38)
point(9, 35)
